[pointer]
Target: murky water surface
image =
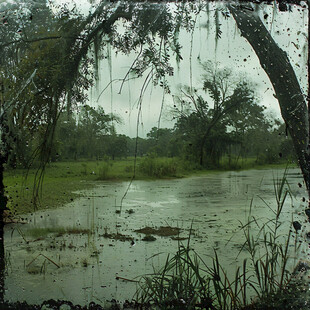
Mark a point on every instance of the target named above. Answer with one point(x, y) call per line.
point(89, 267)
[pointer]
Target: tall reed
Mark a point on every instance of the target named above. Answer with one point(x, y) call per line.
point(264, 280)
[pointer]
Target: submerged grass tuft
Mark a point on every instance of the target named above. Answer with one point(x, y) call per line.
point(161, 231)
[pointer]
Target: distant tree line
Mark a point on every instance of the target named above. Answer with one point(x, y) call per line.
point(219, 122)
point(91, 135)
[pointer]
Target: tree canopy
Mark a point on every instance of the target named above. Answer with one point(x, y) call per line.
point(49, 60)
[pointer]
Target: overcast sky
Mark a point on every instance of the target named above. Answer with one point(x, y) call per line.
point(288, 29)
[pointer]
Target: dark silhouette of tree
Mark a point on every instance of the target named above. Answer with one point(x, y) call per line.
point(45, 66)
point(161, 141)
point(203, 114)
point(277, 65)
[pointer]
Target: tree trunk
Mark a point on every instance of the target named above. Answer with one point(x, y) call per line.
point(213, 122)
point(202, 144)
point(308, 97)
point(283, 78)
point(3, 201)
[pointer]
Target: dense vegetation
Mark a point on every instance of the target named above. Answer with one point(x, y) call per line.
point(45, 73)
point(90, 135)
point(222, 119)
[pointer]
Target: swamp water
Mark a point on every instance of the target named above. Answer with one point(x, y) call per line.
point(91, 263)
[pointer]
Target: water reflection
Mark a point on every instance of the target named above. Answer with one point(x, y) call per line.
point(79, 264)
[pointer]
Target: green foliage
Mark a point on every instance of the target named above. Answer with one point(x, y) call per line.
point(178, 285)
point(223, 118)
point(104, 169)
point(42, 75)
point(158, 167)
point(52, 73)
point(84, 166)
point(294, 296)
point(46, 67)
point(161, 142)
point(91, 135)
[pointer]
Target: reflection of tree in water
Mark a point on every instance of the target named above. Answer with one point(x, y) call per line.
point(46, 67)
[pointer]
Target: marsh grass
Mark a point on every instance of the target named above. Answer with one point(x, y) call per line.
point(245, 163)
point(104, 170)
point(269, 248)
point(264, 280)
point(180, 284)
point(159, 167)
point(62, 180)
point(187, 282)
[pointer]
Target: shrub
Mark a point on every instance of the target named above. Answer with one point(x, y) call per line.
point(128, 169)
point(104, 170)
point(156, 167)
point(84, 166)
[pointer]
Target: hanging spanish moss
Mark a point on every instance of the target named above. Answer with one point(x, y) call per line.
point(109, 57)
point(144, 87)
point(218, 31)
point(96, 48)
point(191, 54)
point(208, 17)
point(161, 108)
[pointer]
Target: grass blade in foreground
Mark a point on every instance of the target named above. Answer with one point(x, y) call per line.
point(266, 282)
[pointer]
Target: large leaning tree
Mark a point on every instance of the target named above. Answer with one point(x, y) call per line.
point(48, 61)
point(292, 100)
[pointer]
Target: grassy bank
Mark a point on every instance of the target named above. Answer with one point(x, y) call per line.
point(62, 179)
